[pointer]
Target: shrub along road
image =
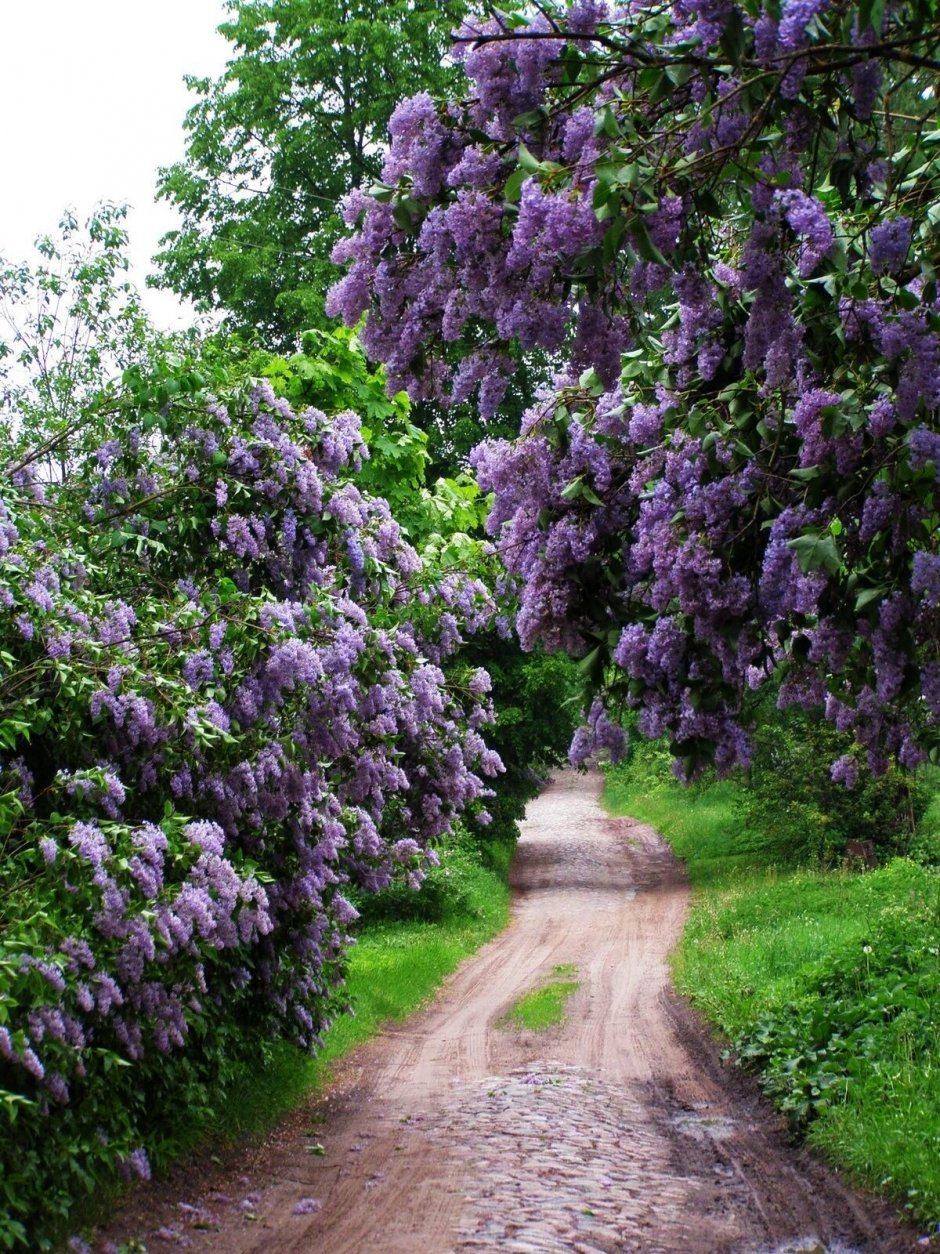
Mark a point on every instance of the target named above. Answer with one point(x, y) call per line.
point(615, 1130)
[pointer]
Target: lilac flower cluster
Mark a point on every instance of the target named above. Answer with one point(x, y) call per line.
point(255, 718)
point(448, 251)
point(733, 479)
point(661, 542)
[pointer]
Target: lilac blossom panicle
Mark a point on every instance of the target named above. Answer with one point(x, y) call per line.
point(890, 243)
point(275, 723)
point(689, 520)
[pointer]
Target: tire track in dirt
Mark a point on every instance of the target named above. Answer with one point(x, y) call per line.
point(617, 1131)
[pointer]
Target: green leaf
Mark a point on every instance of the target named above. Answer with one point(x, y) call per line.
point(868, 595)
point(512, 189)
point(815, 552)
point(592, 665)
point(612, 239)
point(643, 242)
point(733, 37)
point(529, 163)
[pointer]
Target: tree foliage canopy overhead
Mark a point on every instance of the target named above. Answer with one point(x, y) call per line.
point(299, 117)
point(723, 219)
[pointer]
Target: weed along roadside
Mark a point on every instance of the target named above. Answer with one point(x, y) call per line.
point(824, 982)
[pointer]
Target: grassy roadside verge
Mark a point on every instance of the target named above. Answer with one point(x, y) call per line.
point(826, 983)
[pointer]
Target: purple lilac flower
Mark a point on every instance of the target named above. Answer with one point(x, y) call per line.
point(889, 244)
point(925, 577)
point(924, 448)
point(809, 220)
point(136, 1163)
point(90, 843)
point(598, 735)
point(207, 835)
point(882, 418)
point(866, 86)
point(795, 17)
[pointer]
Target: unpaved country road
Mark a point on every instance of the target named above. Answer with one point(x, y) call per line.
point(617, 1131)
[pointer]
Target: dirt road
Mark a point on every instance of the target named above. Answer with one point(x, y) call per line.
point(617, 1131)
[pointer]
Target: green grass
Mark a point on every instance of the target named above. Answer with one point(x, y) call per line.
point(544, 1007)
point(827, 983)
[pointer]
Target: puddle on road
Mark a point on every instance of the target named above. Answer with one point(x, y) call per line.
point(704, 1127)
point(809, 1244)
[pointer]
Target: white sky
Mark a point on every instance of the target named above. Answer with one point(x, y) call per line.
point(91, 103)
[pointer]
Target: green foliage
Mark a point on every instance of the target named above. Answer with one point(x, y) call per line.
point(297, 119)
point(447, 519)
point(544, 1007)
point(331, 372)
point(458, 888)
point(925, 845)
point(884, 980)
point(537, 700)
point(830, 992)
point(825, 982)
point(786, 804)
point(792, 799)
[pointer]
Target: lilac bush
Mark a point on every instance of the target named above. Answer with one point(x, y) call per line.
point(720, 222)
point(230, 700)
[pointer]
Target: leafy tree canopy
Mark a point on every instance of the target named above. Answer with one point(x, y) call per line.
point(299, 117)
point(722, 219)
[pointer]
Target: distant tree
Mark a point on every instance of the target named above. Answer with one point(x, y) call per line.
point(70, 321)
point(298, 118)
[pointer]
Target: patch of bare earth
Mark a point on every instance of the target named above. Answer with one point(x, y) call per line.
point(617, 1131)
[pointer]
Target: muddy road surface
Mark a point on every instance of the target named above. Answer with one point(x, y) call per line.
point(616, 1131)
